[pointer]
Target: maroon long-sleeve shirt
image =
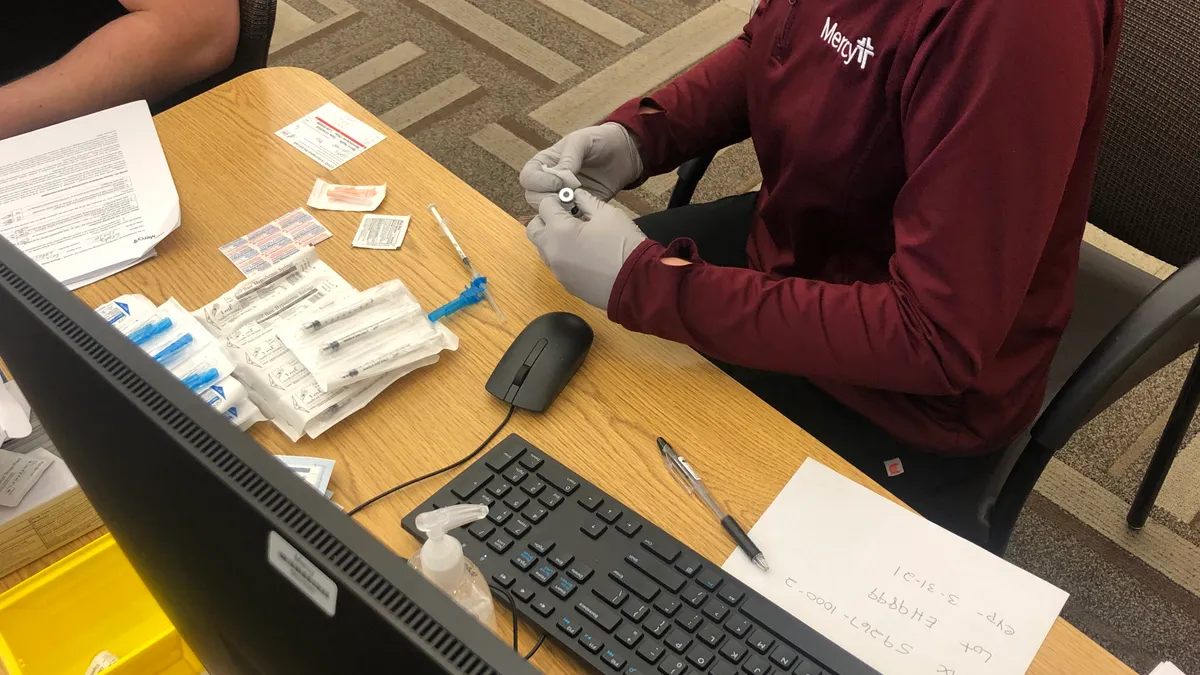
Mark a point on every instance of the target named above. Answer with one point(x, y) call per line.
point(927, 167)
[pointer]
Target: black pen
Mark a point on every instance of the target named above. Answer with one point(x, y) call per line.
point(680, 468)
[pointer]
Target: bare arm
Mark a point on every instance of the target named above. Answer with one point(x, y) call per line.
point(155, 50)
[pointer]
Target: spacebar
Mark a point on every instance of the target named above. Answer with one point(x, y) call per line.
point(773, 619)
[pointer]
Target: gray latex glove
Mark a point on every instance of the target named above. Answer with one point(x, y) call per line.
point(585, 253)
point(602, 160)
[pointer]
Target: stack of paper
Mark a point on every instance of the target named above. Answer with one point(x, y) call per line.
point(89, 197)
point(14, 411)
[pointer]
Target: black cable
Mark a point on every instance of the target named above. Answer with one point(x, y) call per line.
point(464, 460)
point(536, 647)
point(512, 606)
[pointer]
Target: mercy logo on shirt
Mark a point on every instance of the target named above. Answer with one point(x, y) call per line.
point(849, 50)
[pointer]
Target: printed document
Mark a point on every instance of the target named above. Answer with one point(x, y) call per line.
point(88, 197)
point(330, 135)
point(892, 588)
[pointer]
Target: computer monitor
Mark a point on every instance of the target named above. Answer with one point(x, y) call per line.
point(260, 573)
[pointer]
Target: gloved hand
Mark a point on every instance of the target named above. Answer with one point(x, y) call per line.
point(603, 160)
point(585, 253)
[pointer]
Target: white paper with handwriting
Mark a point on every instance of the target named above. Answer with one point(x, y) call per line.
point(892, 588)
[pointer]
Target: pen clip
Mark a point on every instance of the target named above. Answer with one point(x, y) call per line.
point(678, 467)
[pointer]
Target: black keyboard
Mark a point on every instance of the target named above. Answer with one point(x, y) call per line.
point(620, 593)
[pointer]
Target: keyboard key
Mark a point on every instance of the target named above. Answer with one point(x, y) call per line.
point(532, 461)
point(599, 614)
point(498, 488)
point(515, 475)
point(693, 596)
point(544, 574)
point(533, 488)
point(562, 559)
point(807, 667)
point(500, 543)
point(656, 625)
point(700, 657)
point(716, 610)
point(482, 498)
point(668, 605)
point(516, 501)
point(518, 528)
point(524, 560)
point(580, 572)
point(558, 477)
point(651, 651)
point(542, 607)
point(591, 643)
point(732, 593)
point(500, 514)
point(672, 666)
point(569, 626)
point(688, 565)
point(723, 668)
point(612, 659)
point(709, 579)
point(665, 576)
point(590, 502)
point(629, 526)
point(594, 529)
point(739, 626)
point(635, 610)
point(610, 514)
point(784, 657)
point(535, 513)
point(784, 626)
point(609, 592)
point(640, 584)
point(551, 499)
point(711, 635)
point(498, 460)
point(543, 547)
point(762, 642)
point(679, 641)
point(628, 634)
point(523, 592)
point(662, 547)
point(563, 588)
point(503, 579)
point(481, 530)
point(756, 665)
point(734, 651)
point(689, 620)
point(469, 482)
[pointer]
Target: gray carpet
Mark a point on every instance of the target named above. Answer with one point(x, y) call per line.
point(481, 84)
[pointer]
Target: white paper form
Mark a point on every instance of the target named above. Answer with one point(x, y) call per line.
point(330, 135)
point(54, 482)
point(90, 196)
point(892, 588)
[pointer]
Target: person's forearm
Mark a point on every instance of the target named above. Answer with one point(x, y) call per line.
point(134, 57)
point(705, 110)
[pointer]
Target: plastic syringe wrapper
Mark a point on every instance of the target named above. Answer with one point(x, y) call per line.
point(364, 336)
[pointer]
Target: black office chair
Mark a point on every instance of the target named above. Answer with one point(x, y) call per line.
point(254, 43)
point(1126, 324)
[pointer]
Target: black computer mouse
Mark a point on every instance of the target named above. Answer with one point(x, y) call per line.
point(541, 361)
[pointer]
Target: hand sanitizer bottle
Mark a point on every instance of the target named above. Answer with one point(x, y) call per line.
point(441, 559)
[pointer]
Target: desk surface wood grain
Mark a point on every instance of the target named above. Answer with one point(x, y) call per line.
point(233, 175)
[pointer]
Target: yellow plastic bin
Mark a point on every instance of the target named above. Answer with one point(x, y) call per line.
point(57, 621)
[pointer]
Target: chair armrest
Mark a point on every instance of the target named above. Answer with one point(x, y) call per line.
point(690, 173)
point(1164, 307)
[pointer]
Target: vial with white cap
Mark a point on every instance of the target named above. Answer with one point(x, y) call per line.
point(441, 559)
point(566, 197)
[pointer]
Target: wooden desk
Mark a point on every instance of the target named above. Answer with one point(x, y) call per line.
point(234, 174)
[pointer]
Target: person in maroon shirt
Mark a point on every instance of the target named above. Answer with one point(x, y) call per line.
point(900, 283)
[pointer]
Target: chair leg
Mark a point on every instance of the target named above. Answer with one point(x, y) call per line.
point(1168, 447)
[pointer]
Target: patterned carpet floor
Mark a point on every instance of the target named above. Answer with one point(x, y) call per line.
point(482, 84)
